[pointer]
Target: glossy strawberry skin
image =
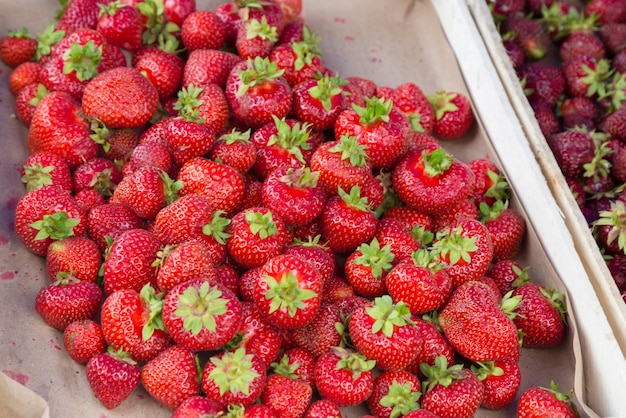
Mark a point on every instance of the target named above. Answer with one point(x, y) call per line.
point(143, 191)
point(320, 335)
point(434, 344)
point(110, 219)
point(338, 384)
point(346, 227)
point(461, 399)
point(16, 49)
point(83, 339)
point(78, 256)
point(286, 396)
point(45, 168)
point(381, 387)
point(122, 27)
point(112, 380)
point(60, 304)
point(507, 232)
point(538, 318)
point(537, 401)
point(312, 110)
point(163, 69)
point(500, 391)
point(207, 66)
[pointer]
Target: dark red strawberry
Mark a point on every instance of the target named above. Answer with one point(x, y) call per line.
point(46, 169)
point(121, 25)
point(79, 14)
point(235, 149)
point(146, 191)
point(542, 81)
point(83, 339)
point(394, 394)
point(202, 29)
point(17, 47)
point(99, 174)
point(572, 150)
point(501, 380)
point(112, 376)
point(530, 35)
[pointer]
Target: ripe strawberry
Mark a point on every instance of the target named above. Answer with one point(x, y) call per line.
point(198, 405)
point(46, 169)
point(45, 215)
point(121, 25)
point(79, 14)
point(121, 98)
point(578, 111)
point(490, 184)
point(471, 315)
point(255, 38)
point(200, 315)
point(319, 102)
point(539, 401)
point(202, 29)
point(586, 76)
point(206, 104)
point(323, 408)
point(66, 300)
point(131, 321)
point(27, 100)
point(234, 148)
point(17, 47)
point(209, 66)
point(286, 397)
point(179, 263)
point(253, 193)
point(366, 268)
point(453, 114)
point(394, 394)
point(434, 344)
point(188, 139)
point(164, 69)
point(112, 376)
point(412, 101)
point(116, 144)
point(171, 377)
point(613, 124)
point(582, 42)
point(452, 391)
point(572, 150)
point(508, 274)
point(149, 154)
point(257, 92)
point(402, 240)
point(431, 181)
point(99, 174)
point(501, 380)
point(315, 253)
point(129, 261)
point(613, 36)
point(220, 183)
point(379, 127)
point(506, 228)
point(234, 377)
point(321, 333)
point(540, 315)
point(77, 256)
point(530, 35)
point(301, 60)
point(23, 75)
point(546, 118)
point(58, 127)
point(83, 339)
point(297, 363)
point(542, 81)
point(256, 235)
point(110, 219)
point(146, 191)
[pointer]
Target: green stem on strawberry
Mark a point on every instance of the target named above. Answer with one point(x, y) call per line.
point(261, 224)
point(259, 71)
point(454, 247)
point(154, 303)
point(436, 162)
point(83, 60)
point(284, 368)
point(233, 371)
point(158, 29)
point(261, 29)
point(440, 373)
point(188, 103)
point(217, 227)
point(293, 139)
point(509, 303)
point(235, 136)
point(301, 177)
point(170, 187)
point(351, 149)
point(355, 362)
point(46, 40)
point(401, 398)
point(388, 315)
point(199, 307)
point(615, 217)
point(287, 294)
point(376, 110)
point(36, 176)
point(55, 226)
point(377, 258)
point(326, 88)
point(484, 369)
point(354, 199)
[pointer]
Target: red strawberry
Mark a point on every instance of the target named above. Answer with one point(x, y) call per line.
point(77, 256)
point(171, 377)
point(112, 377)
point(46, 169)
point(379, 127)
point(297, 363)
point(176, 11)
point(347, 221)
point(118, 144)
point(508, 274)
point(546, 118)
point(234, 149)
point(366, 268)
point(581, 42)
point(164, 69)
point(385, 324)
point(321, 334)
point(206, 104)
point(234, 377)
point(434, 343)
point(110, 219)
point(402, 240)
point(88, 199)
point(412, 101)
point(613, 36)
point(146, 191)
point(131, 321)
point(17, 47)
point(323, 408)
point(188, 260)
point(99, 174)
point(58, 127)
point(188, 139)
point(586, 76)
point(220, 183)
point(121, 98)
point(578, 111)
point(255, 38)
point(202, 29)
point(149, 154)
point(200, 315)
point(489, 184)
point(45, 215)
point(432, 181)
point(538, 401)
point(472, 314)
point(451, 391)
point(83, 339)
point(256, 235)
point(23, 75)
point(572, 150)
point(285, 396)
point(198, 405)
point(613, 124)
point(79, 14)
point(129, 261)
point(540, 315)
point(208, 66)
point(301, 60)
point(501, 380)
point(121, 25)
point(542, 81)
point(453, 114)
point(315, 253)
point(394, 394)
point(319, 102)
point(506, 227)
point(257, 92)
point(67, 300)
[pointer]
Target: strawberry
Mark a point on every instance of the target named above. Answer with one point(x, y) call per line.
point(78, 256)
point(17, 47)
point(257, 92)
point(539, 401)
point(149, 154)
point(490, 184)
point(116, 144)
point(471, 314)
point(540, 315)
point(366, 268)
point(58, 127)
point(344, 376)
point(321, 334)
point(83, 339)
point(45, 215)
point(171, 377)
point(434, 343)
point(530, 35)
point(613, 124)
point(379, 127)
point(202, 29)
point(205, 66)
point(234, 148)
point(572, 150)
point(121, 25)
point(46, 169)
point(158, 29)
point(581, 42)
point(198, 405)
point(301, 60)
point(315, 253)
point(188, 139)
point(542, 81)
point(402, 240)
point(23, 75)
point(234, 377)
point(110, 219)
point(453, 114)
point(394, 394)
point(347, 221)
point(142, 335)
point(129, 261)
point(256, 236)
point(431, 181)
point(255, 38)
point(297, 363)
point(99, 174)
point(410, 218)
point(412, 101)
point(206, 104)
point(508, 274)
point(88, 199)
point(323, 408)
point(546, 118)
point(452, 391)
point(188, 260)
point(112, 376)
point(420, 282)
point(162, 68)
point(220, 183)
point(319, 101)
point(578, 111)
point(66, 300)
point(121, 98)
point(586, 76)
point(200, 315)
point(613, 36)
point(501, 380)
point(294, 195)
point(506, 227)
point(78, 14)
point(176, 11)
point(285, 396)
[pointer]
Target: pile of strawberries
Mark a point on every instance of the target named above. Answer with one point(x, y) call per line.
point(571, 61)
point(242, 231)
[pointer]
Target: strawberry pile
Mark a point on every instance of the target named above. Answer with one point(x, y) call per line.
point(240, 230)
point(571, 61)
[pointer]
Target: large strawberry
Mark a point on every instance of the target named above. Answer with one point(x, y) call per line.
point(121, 25)
point(384, 323)
point(202, 29)
point(200, 315)
point(188, 260)
point(539, 401)
point(208, 66)
point(323, 332)
point(112, 376)
point(78, 256)
point(434, 344)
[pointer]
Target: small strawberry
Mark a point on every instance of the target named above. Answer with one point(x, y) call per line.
point(297, 363)
point(66, 300)
point(366, 268)
point(163, 68)
point(206, 104)
point(202, 29)
point(286, 397)
point(149, 154)
point(99, 174)
point(121, 25)
point(234, 149)
point(188, 260)
point(530, 35)
point(188, 139)
point(539, 401)
point(23, 75)
point(322, 333)
point(171, 377)
point(501, 380)
point(453, 114)
point(323, 408)
point(490, 184)
point(78, 14)
point(78, 256)
point(17, 47)
point(412, 101)
point(209, 66)
point(110, 219)
point(434, 344)
point(301, 60)
point(508, 274)
point(112, 376)
point(402, 240)
point(506, 228)
point(255, 38)
point(394, 394)
point(319, 101)
point(83, 339)
point(46, 169)
point(542, 81)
